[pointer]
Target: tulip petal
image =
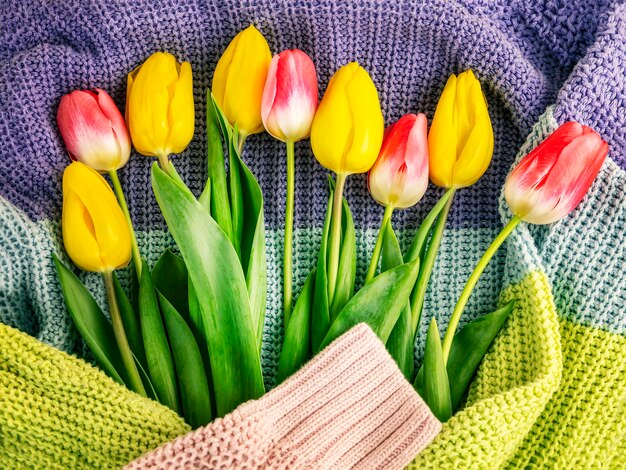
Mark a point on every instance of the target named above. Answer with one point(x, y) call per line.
point(269, 91)
point(149, 103)
point(118, 125)
point(245, 81)
point(101, 217)
point(442, 137)
point(368, 124)
point(78, 235)
point(87, 131)
point(181, 111)
point(220, 76)
point(296, 96)
point(331, 132)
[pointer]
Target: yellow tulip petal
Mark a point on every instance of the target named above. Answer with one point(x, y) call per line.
point(78, 237)
point(368, 124)
point(181, 112)
point(477, 150)
point(149, 103)
point(104, 220)
point(476, 155)
point(220, 76)
point(245, 81)
point(442, 137)
point(463, 109)
point(331, 131)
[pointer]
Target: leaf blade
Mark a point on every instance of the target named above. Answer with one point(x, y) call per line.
point(436, 386)
point(378, 303)
point(223, 297)
point(296, 346)
point(91, 322)
point(156, 344)
point(193, 386)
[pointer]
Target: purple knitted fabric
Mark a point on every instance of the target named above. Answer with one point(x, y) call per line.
point(527, 54)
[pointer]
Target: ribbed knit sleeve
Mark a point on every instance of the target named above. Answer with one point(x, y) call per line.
point(350, 407)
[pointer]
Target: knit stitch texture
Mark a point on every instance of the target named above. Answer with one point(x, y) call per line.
point(58, 412)
point(553, 381)
point(350, 407)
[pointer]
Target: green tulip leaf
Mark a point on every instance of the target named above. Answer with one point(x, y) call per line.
point(220, 205)
point(220, 287)
point(436, 386)
point(252, 241)
point(296, 346)
point(170, 278)
point(93, 325)
point(156, 345)
point(130, 320)
point(400, 342)
point(234, 187)
point(379, 303)
point(320, 315)
point(469, 347)
point(194, 389)
point(346, 272)
point(205, 197)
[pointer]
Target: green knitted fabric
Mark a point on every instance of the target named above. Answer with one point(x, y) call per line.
point(551, 392)
point(58, 412)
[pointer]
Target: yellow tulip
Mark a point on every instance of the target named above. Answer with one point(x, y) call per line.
point(460, 142)
point(348, 128)
point(159, 105)
point(95, 233)
point(239, 80)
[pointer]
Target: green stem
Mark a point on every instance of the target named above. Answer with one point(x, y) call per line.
point(287, 264)
point(120, 336)
point(335, 236)
point(426, 268)
point(379, 243)
point(471, 283)
point(420, 236)
point(164, 162)
point(122, 200)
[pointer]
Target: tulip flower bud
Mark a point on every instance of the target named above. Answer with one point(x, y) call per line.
point(93, 129)
point(400, 175)
point(552, 179)
point(348, 126)
point(460, 142)
point(239, 79)
point(290, 96)
point(95, 233)
point(159, 105)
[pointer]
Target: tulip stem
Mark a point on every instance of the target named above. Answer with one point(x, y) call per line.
point(426, 268)
point(471, 283)
point(122, 200)
point(120, 336)
point(335, 236)
point(379, 243)
point(240, 142)
point(288, 254)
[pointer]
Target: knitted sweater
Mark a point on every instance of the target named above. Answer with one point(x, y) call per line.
point(552, 390)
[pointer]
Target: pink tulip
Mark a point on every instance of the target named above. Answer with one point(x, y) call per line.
point(290, 96)
point(551, 180)
point(400, 175)
point(94, 130)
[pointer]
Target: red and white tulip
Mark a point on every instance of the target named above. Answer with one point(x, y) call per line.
point(400, 175)
point(94, 130)
point(551, 180)
point(290, 96)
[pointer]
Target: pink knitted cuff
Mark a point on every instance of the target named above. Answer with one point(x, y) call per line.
point(348, 407)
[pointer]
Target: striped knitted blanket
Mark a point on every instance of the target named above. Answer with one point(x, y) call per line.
point(551, 391)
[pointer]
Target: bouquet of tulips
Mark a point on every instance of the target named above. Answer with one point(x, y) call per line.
point(190, 334)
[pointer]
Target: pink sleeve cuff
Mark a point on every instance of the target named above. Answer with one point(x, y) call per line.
point(349, 407)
